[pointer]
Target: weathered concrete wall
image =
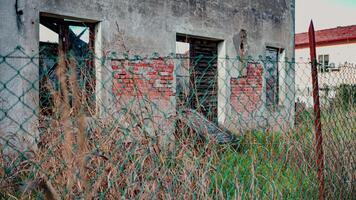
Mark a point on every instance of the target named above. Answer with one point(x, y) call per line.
point(151, 25)
point(146, 26)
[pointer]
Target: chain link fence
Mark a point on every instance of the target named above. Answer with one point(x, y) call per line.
point(77, 126)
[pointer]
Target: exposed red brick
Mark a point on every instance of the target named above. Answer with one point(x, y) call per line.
point(246, 91)
point(150, 78)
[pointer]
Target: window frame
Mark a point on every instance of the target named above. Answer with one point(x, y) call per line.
point(276, 102)
point(323, 67)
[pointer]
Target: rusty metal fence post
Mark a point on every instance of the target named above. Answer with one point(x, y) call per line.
point(317, 115)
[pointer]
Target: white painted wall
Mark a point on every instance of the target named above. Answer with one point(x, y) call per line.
point(339, 54)
point(343, 56)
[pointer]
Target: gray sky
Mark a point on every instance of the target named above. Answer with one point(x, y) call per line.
point(325, 13)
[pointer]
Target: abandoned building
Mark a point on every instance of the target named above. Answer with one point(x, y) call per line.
point(237, 96)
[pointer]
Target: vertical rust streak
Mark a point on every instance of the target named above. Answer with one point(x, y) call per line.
point(317, 116)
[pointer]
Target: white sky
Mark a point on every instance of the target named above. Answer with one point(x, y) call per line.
point(325, 13)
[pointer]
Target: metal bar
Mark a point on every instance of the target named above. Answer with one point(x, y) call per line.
point(317, 120)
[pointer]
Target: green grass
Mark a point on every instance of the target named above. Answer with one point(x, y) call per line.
point(259, 168)
point(282, 165)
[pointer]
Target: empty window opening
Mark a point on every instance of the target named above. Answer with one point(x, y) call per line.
point(272, 76)
point(74, 41)
point(201, 76)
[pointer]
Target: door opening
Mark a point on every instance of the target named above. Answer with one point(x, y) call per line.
point(203, 75)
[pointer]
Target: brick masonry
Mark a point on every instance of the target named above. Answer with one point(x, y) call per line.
point(145, 87)
point(246, 91)
point(152, 79)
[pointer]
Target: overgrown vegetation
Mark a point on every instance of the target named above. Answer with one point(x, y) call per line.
point(112, 158)
point(264, 167)
point(339, 142)
point(346, 96)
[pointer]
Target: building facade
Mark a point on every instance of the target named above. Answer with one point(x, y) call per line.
point(336, 54)
point(241, 99)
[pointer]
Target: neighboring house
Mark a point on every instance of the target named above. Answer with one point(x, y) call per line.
point(238, 99)
point(336, 54)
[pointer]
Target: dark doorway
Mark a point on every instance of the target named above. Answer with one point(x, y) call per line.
point(203, 75)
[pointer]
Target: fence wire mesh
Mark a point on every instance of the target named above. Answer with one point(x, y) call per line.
point(77, 126)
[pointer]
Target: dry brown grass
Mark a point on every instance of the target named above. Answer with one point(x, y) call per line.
point(123, 169)
point(85, 157)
